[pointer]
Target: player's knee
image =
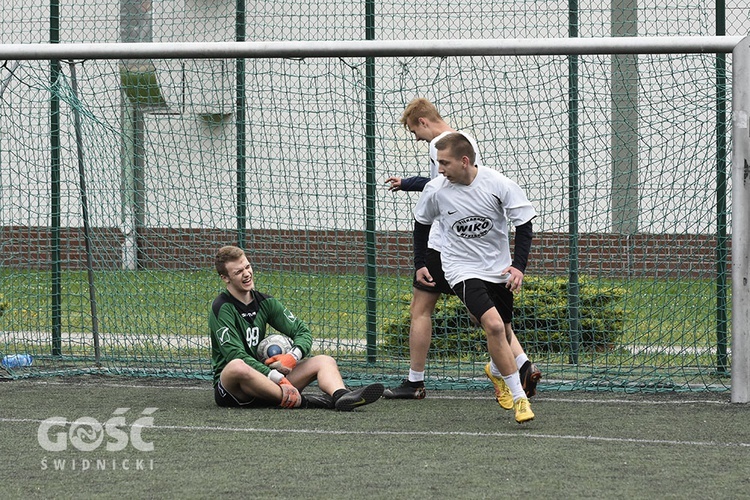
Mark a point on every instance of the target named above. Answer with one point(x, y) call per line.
point(422, 305)
point(494, 328)
point(326, 360)
point(417, 314)
point(235, 370)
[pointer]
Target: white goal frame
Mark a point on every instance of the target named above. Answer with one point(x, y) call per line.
point(741, 222)
point(739, 47)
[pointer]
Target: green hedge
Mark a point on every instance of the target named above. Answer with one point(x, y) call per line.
point(541, 320)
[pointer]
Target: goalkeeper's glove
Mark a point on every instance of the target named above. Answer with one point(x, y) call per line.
point(290, 396)
point(284, 363)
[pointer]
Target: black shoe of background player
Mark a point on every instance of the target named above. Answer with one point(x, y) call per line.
point(407, 390)
point(530, 375)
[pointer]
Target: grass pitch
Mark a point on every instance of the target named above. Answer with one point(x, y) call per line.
point(450, 445)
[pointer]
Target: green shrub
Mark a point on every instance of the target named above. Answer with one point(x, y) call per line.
point(541, 320)
point(3, 305)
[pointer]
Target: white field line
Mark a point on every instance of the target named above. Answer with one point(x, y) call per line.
point(441, 434)
point(671, 350)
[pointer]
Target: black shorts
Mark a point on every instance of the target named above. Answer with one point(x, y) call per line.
point(480, 296)
point(435, 267)
point(224, 398)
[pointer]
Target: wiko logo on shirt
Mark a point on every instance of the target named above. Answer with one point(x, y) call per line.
point(472, 227)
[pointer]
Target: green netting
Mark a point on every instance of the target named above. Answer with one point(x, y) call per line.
point(173, 169)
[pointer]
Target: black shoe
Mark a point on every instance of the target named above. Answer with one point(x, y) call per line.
point(359, 397)
point(319, 400)
point(407, 390)
point(530, 375)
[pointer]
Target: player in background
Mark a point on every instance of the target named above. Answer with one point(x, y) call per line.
point(423, 120)
point(238, 321)
point(473, 206)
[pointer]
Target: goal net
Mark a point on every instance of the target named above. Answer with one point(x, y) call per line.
point(122, 176)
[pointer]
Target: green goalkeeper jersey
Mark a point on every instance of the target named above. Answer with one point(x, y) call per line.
point(236, 329)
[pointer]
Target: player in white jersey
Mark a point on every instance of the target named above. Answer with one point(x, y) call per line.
point(473, 206)
point(423, 120)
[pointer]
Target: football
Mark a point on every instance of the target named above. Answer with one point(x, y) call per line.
point(273, 345)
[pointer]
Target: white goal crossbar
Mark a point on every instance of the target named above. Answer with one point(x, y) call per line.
point(373, 48)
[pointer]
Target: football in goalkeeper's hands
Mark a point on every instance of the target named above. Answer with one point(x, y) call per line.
point(273, 345)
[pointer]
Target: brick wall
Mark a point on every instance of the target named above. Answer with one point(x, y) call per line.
point(642, 255)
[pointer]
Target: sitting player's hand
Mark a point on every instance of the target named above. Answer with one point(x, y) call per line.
point(290, 396)
point(284, 363)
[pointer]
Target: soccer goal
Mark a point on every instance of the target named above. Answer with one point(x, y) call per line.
point(125, 166)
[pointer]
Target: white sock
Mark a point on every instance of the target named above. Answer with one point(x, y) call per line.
point(494, 369)
point(521, 359)
point(514, 384)
point(416, 376)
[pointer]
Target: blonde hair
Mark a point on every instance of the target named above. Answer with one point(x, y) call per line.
point(419, 108)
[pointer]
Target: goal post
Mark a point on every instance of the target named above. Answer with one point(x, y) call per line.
point(741, 222)
point(163, 206)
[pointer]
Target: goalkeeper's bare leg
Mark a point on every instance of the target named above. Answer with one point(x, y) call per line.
point(249, 387)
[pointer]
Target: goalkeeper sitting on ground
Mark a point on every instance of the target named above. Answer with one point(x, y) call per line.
point(238, 320)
